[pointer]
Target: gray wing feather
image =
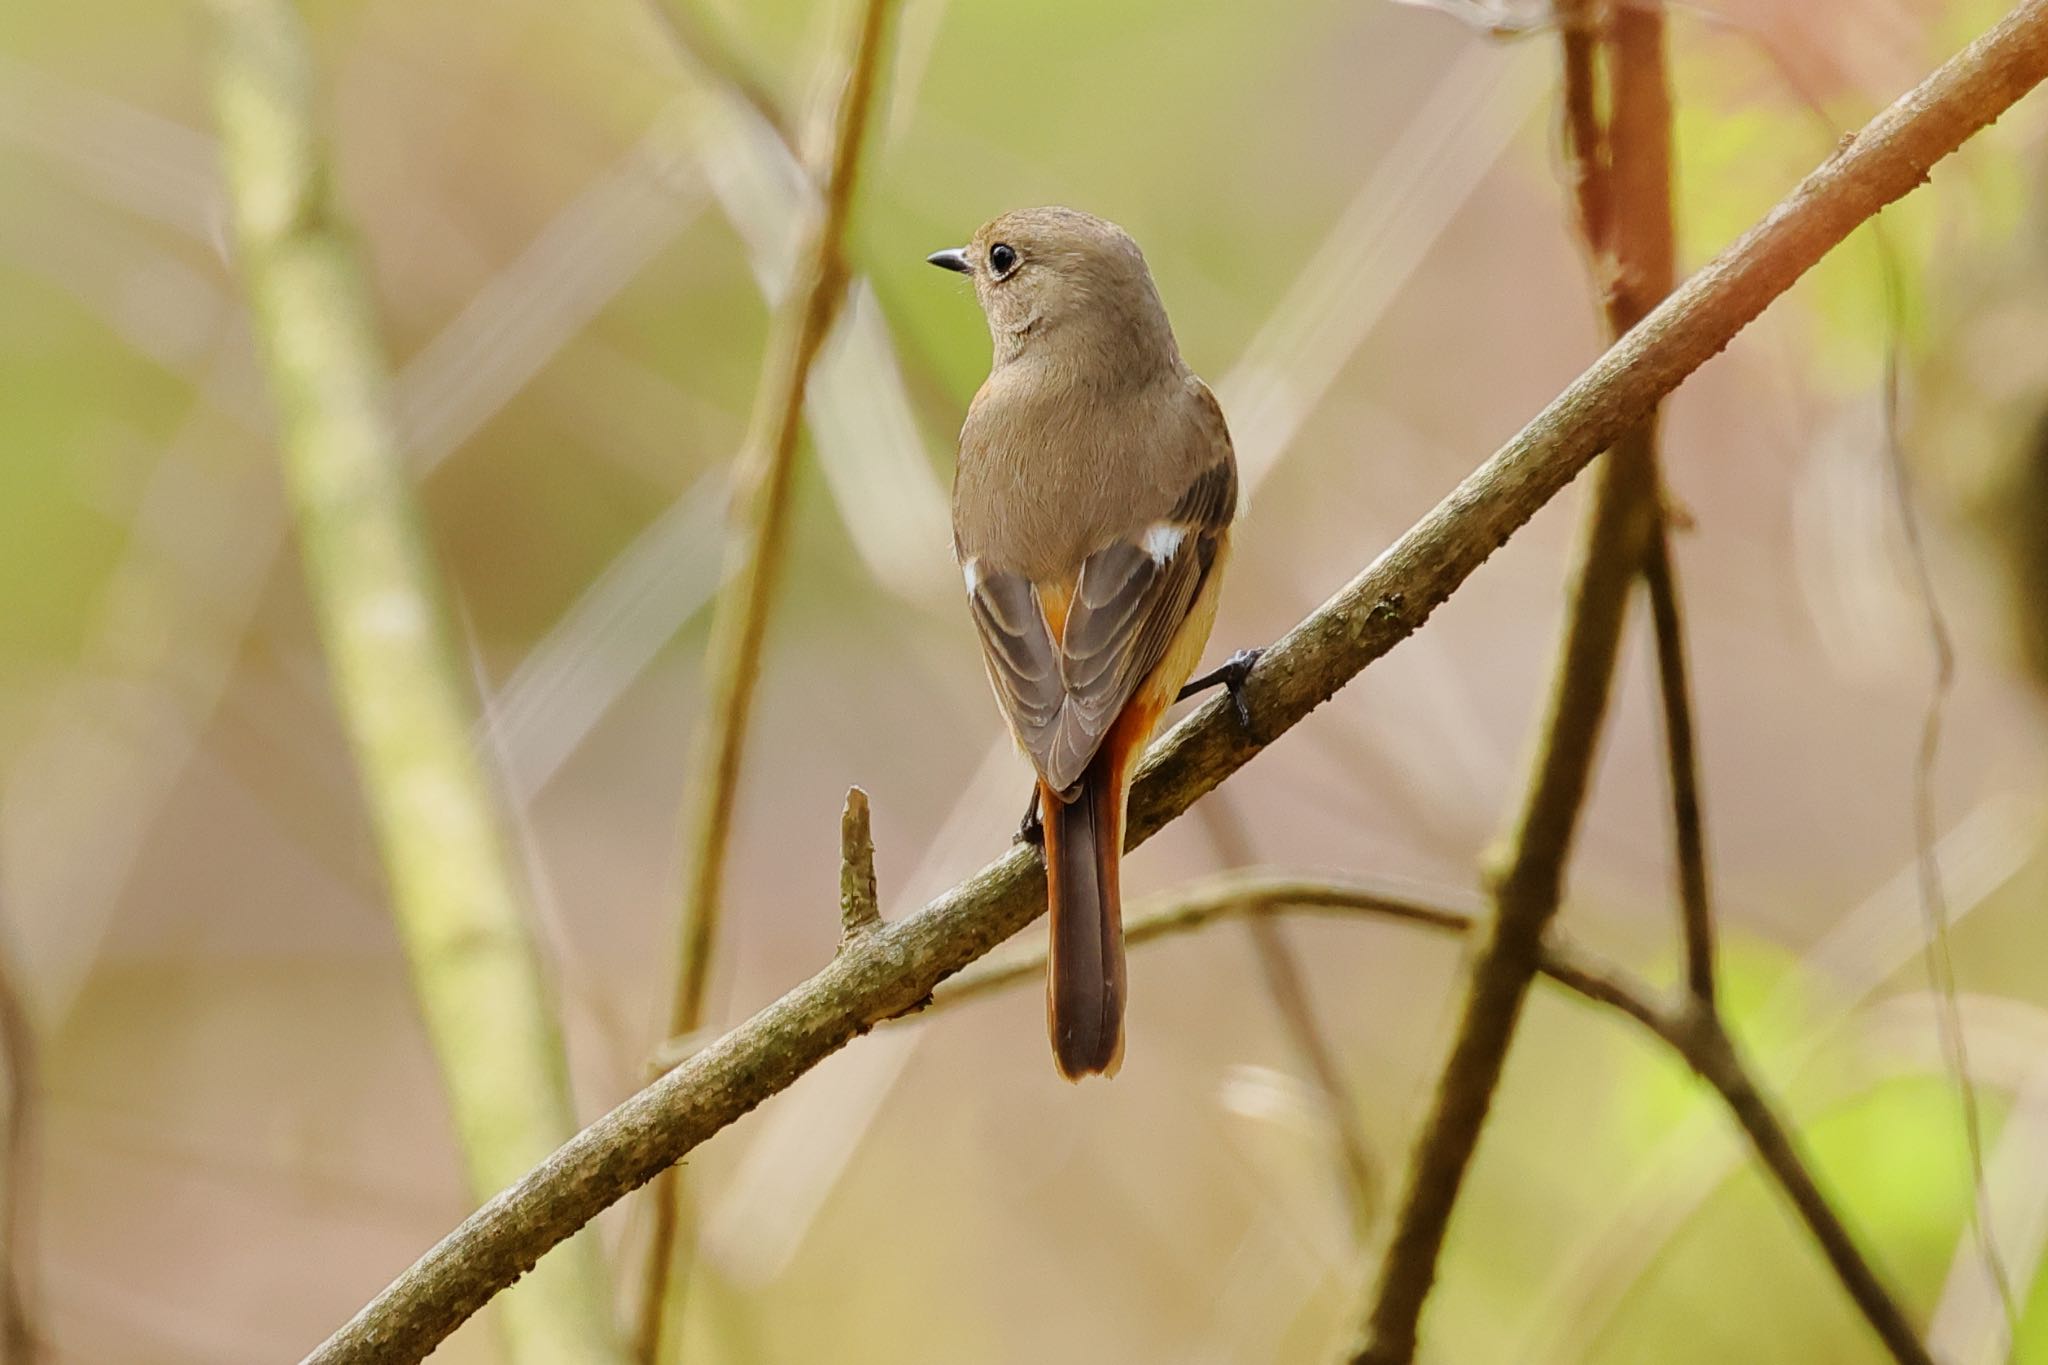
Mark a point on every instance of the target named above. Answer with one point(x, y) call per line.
point(1063, 695)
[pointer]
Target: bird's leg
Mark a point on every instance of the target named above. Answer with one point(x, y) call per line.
point(1031, 830)
point(1231, 678)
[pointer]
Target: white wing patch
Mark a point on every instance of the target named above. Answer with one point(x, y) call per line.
point(1162, 541)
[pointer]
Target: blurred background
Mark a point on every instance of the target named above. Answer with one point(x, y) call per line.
point(1355, 213)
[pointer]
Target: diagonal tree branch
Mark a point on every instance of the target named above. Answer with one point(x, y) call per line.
point(756, 529)
point(894, 969)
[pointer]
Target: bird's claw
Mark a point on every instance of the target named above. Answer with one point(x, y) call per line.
point(1031, 829)
point(1231, 678)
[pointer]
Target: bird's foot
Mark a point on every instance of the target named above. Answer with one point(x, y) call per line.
point(1031, 829)
point(1231, 678)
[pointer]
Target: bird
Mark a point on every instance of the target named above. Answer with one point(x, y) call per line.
point(1092, 506)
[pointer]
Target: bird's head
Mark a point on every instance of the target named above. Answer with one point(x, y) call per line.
point(1060, 280)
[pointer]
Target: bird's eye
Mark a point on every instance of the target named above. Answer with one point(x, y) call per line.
point(1002, 258)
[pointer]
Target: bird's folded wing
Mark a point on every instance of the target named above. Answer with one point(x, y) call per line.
point(1065, 657)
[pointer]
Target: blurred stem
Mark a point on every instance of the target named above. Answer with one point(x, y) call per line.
point(756, 529)
point(893, 970)
point(1585, 141)
point(1287, 987)
point(458, 905)
point(711, 56)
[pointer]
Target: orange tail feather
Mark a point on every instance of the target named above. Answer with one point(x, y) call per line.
point(1084, 840)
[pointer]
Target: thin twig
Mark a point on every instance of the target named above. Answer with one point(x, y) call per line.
point(1644, 250)
point(1674, 689)
point(1699, 1035)
point(894, 969)
point(1940, 963)
point(457, 898)
point(1257, 895)
point(1227, 894)
point(756, 529)
point(860, 910)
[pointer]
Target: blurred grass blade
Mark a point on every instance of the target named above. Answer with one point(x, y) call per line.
point(765, 1208)
point(1403, 207)
point(146, 163)
point(455, 896)
point(888, 492)
point(917, 38)
point(82, 796)
point(1969, 1325)
point(609, 637)
point(521, 318)
point(874, 458)
point(1499, 18)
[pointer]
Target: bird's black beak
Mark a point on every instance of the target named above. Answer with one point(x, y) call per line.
point(952, 258)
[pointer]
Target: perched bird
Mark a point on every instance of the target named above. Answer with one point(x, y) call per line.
point(1091, 518)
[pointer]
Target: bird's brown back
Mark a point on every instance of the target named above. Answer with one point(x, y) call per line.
point(1056, 463)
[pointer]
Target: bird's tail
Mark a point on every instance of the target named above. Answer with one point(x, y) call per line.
point(1084, 989)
